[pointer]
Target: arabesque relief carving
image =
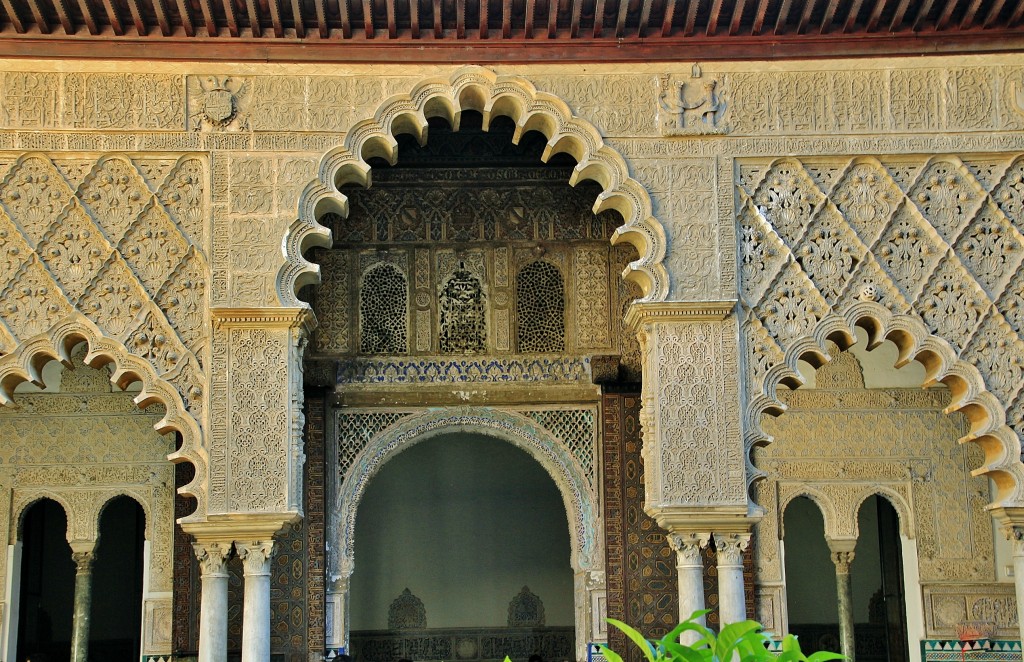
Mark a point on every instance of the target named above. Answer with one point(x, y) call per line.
point(917, 249)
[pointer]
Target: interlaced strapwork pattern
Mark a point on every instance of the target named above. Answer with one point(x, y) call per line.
point(463, 314)
point(355, 429)
point(383, 311)
point(923, 241)
point(575, 428)
point(540, 304)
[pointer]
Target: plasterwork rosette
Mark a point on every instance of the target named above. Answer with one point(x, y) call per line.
point(492, 95)
point(921, 251)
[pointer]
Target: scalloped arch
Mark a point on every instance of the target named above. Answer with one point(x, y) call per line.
point(27, 361)
point(520, 431)
point(987, 416)
point(492, 95)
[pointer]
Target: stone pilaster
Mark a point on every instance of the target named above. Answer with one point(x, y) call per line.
point(690, 568)
point(83, 554)
point(842, 557)
point(1015, 534)
point(256, 558)
point(732, 602)
point(213, 610)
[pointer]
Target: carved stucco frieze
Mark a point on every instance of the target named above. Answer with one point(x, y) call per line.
point(928, 245)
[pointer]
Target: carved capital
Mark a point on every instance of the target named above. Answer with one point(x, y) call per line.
point(688, 546)
point(256, 556)
point(83, 561)
point(730, 548)
point(842, 561)
point(213, 558)
point(1015, 534)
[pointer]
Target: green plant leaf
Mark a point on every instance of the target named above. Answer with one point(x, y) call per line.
point(609, 654)
point(730, 636)
point(637, 638)
point(824, 656)
point(680, 653)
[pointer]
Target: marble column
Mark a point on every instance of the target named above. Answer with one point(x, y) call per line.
point(842, 557)
point(732, 600)
point(213, 609)
point(1016, 536)
point(256, 557)
point(83, 556)
point(690, 567)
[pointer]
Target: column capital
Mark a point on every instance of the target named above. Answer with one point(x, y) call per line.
point(730, 547)
point(213, 557)
point(687, 545)
point(83, 560)
point(256, 556)
point(842, 561)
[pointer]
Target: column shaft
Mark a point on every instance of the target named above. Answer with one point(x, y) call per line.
point(256, 607)
point(213, 608)
point(845, 613)
point(83, 605)
point(690, 569)
point(732, 600)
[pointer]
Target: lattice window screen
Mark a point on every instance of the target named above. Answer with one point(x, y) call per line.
point(540, 304)
point(384, 311)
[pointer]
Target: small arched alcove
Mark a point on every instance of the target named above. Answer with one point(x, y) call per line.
point(47, 583)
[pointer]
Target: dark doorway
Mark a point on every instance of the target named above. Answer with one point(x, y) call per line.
point(116, 629)
point(47, 585)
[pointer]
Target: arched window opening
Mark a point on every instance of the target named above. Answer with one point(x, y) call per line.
point(876, 578)
point(116, 614)
point(46, 607)
point(383, 311)
point(810, 578)
point(540, 304)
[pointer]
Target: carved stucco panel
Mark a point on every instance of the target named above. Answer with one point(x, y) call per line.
point(947, 606)
point(692, 435)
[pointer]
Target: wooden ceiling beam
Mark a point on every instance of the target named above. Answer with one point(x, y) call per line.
point(460, 19)
point(875, 15)
point(209, 20)
point(851, 18)
point(232, 17)
point(138, 19)
point(972, 11)
point(275, 21)
point(599, 18)
point(65, 17)
point(531, 8)
point(737, 17)
point(691, 18)
point(574, 22)
point(645, 18)
point(163, 18)
point(552, 18)
point(993, 14)
point(320, 7)
point(506, 20)
point(830, 14)
point(14, 17)
point(897, 17)
point(759, 14)
point(922, 14)
point(88, 16)
point(946, 14)
point(254, 17)
point(297, 20)
point(38, 16)
point(438, 24)
point(713, 18)
point(113, 18)
point(185, 12)
point(666, 20)
point(783, 17)
point(392, 24)
point(414, 18)
point(483, 19)
point(805, 16)
point(368, 18)
point(620, 19)
point(345, 12)
point(1017, 14)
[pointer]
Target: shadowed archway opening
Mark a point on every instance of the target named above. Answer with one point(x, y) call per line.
point(462, 541)
point(47, 585)
point(116, 614)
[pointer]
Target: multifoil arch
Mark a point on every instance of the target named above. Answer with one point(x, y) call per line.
point(492, 95)
point(27, 361)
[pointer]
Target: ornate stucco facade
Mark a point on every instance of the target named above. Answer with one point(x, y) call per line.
point(170, 221)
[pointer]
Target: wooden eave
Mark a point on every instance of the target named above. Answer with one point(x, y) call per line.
point(482, 31)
